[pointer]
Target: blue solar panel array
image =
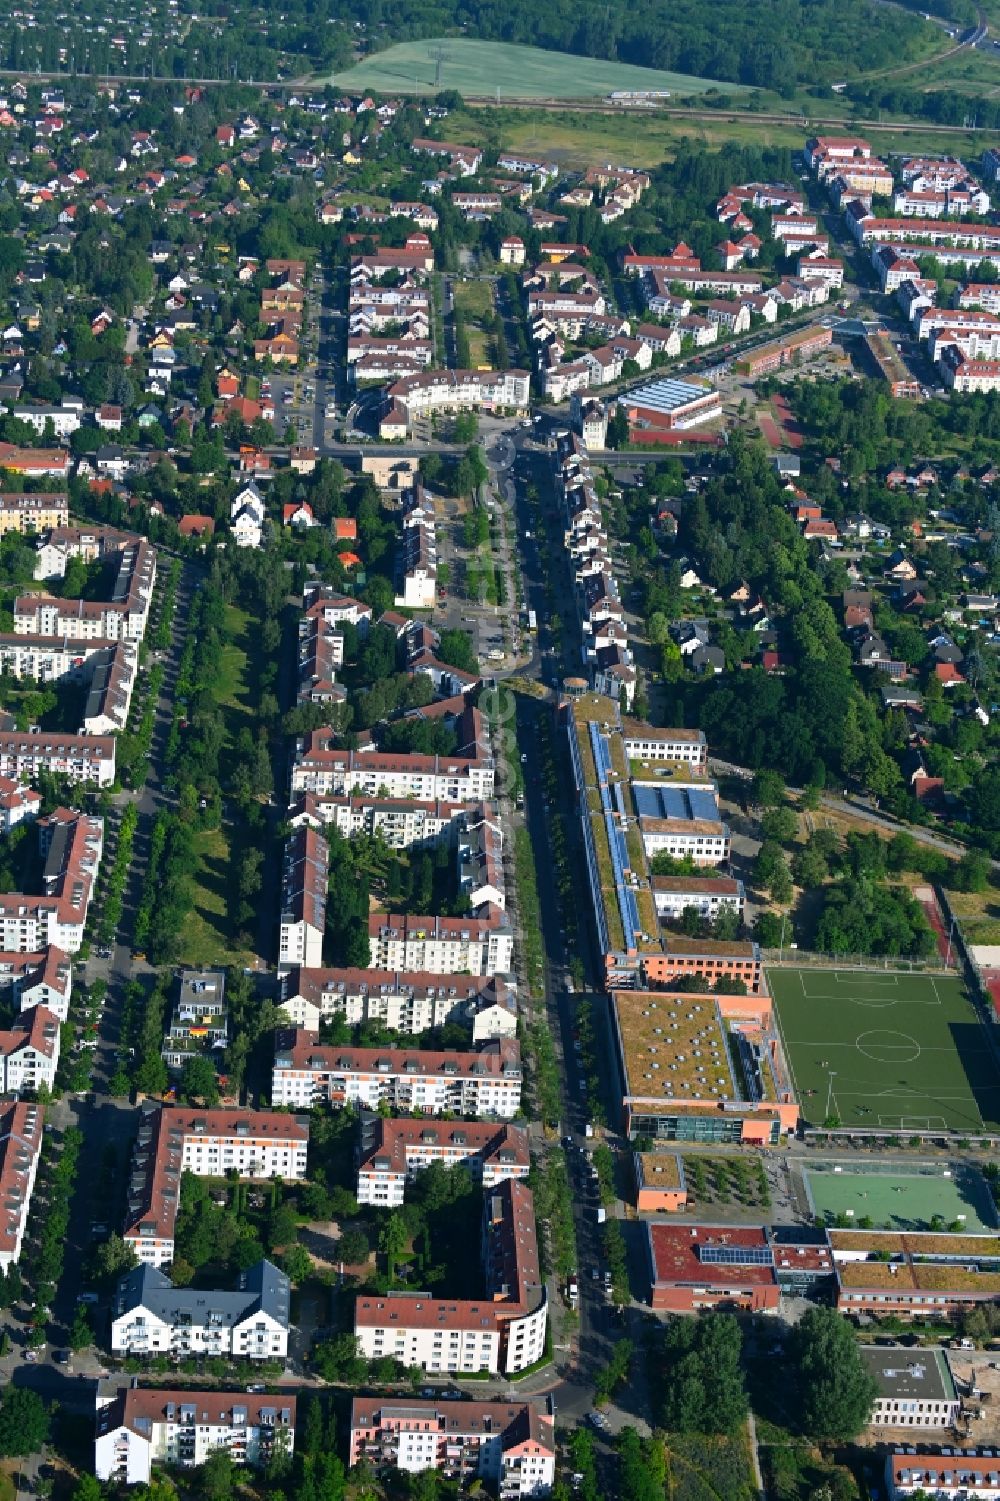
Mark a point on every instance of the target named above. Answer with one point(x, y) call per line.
point(752, 1072)
point(676, 802)
point(620, 862)
point(736, 1255)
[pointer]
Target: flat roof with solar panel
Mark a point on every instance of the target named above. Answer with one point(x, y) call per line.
point(711, 1254)
point(668, 395)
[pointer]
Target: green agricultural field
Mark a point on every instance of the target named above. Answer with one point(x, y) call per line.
point(502, 70)
point(886, 1049)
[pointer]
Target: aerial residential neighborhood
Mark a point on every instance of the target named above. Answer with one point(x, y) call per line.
point(500, 754)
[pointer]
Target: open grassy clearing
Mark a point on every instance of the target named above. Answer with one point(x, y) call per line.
point(886, 1049)
point(233, 674)
point(501, 68)
point(474, 300)
point(208, 931)
point(208, 934)
point(577, 140)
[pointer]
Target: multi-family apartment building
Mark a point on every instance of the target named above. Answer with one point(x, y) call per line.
point(199, 1022)
point(109, 667)
point(32, 513)
point(323, 767)
point(393, 1152)
point(825, 154)
point(61, 542)
point(401, 821)
point(254, 1144)
point(442, 945)
point(72, 844)
point(928, 232)
point(321, 653)
point(149, 1316)
point(416, 564)
point(18, 804)
point(960, 373)
point(79, 758)
point(945, 1474)
point(20, 1146)
point(509, 1445)
point(139, 1427)
point(304, 882)
point(39, 979)
point(336, 609)
point(121, 618)
point(479, 850)
point(65, 418)
point(484, 1083)
point(452, 391)
point(599, 608)
point(503, 1332)
point(405, 1002)
point(29, 1052)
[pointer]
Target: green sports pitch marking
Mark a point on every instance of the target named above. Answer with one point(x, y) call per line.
point(888, 1050)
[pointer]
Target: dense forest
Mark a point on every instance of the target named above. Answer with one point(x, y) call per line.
point(799, 41)
point(943, 106)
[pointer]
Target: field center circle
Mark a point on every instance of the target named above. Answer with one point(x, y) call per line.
point(884, 1046)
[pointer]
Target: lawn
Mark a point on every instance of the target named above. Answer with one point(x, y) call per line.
point(232, 694)
point(909, 1199)
point(208, 933)
point(886, 1049)
point(494, 69)
point(474, 300)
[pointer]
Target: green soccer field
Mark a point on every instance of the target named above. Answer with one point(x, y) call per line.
point(492, 69)
point(886, 1049)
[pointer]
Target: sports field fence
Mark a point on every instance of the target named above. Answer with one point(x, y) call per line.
point(807, 958)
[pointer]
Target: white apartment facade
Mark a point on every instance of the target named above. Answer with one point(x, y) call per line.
point(405, 1002)
point(139, 1428)
point(149, 1316)
point(485, 1083)
point(252, 1144)
point(80, 758)
point(20, 1146)
point(709, 897)
point(705, 841)
point(29, 1052)
point(394, 1151)
point(643, 742)
point(324, 768)
point(510, 1446)
point(402, 822)
point(39, 979)
point(441, 945)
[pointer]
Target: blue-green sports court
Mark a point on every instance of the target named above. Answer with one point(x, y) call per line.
point(897, 1196)
point(886, 1050)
